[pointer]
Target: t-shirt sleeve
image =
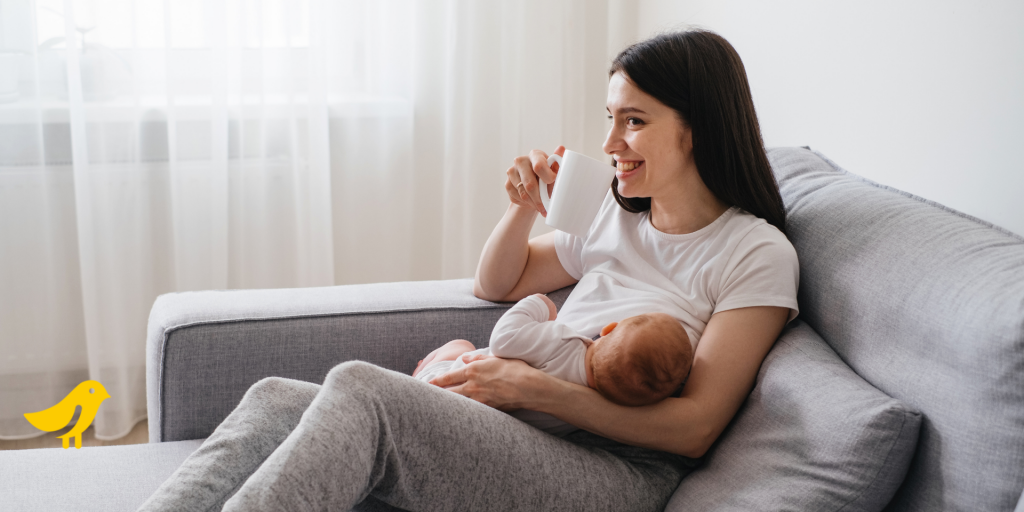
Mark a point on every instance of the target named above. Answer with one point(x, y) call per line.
point(569, 249)
point(763, 271)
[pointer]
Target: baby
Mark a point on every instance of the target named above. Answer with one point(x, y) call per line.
point(638, 361)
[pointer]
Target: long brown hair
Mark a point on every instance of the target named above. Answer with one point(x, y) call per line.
point(698, 74)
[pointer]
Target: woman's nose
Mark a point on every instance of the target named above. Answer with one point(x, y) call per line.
point(613, 142)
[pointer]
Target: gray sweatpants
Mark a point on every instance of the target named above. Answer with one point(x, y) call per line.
point(376, 435)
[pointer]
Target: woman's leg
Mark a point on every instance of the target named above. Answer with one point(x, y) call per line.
point(421, 448)
point(268, 412)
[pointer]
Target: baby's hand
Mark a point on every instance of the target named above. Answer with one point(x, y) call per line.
point(552, 310)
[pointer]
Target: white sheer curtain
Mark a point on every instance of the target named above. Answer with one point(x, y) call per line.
point(153, 146)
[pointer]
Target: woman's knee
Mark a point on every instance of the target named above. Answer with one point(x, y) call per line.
point(280, 388)
point(358, 377)
point(353, 372)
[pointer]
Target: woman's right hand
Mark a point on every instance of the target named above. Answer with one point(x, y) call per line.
point(526, 176)
point(504, 384)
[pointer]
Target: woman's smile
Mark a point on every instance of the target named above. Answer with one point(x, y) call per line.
point(627, 169)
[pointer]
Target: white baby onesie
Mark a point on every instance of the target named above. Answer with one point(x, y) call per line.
point(525, 333)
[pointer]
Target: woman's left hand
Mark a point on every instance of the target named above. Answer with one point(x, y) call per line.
point(500, 383)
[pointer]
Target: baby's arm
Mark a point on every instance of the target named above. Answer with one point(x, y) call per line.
point(531, 310)
point(525, 332)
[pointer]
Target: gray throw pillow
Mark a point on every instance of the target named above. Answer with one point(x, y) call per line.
point(812, 435)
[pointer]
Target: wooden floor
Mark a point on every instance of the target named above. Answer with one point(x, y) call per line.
point(138, 435)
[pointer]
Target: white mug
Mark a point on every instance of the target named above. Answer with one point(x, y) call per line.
point(580, 187)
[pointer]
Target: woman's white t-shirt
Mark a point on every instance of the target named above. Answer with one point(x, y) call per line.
point(626, 267)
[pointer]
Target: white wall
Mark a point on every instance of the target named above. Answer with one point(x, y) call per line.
point(924, 96)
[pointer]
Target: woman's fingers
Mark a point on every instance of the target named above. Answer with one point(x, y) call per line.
point(452, 378)
point(560, 151)
point(516, 193)
point(545, 173)
point(476, 357)
point(492, 381)
point(539, 161)
point(527, 175)
point(529, 185)
point(532, 170)
point(470, 382)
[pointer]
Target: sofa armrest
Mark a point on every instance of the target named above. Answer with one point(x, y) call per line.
point(205, 349)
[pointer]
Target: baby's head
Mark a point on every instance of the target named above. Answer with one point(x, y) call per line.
point(641, 360)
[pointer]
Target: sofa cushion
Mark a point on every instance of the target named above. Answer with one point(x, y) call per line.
point(100, 478)
point(926, 304)
point(811, 436)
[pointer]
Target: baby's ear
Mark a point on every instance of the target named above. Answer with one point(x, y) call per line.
point(609, 328)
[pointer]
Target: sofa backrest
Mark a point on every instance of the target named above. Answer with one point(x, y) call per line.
point(926, 304)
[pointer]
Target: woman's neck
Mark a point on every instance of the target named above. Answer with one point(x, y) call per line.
point(686, 208)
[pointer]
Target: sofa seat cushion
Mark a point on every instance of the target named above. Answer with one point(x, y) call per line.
point(811, 436)
point(100, 478)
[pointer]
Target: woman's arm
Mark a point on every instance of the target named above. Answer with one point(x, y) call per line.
point(512, 266)
point(728, 357)
point(505, 274)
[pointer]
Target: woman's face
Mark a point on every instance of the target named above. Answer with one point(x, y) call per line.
point(651, 146)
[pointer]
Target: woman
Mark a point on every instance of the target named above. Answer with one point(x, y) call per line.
point(675, 235)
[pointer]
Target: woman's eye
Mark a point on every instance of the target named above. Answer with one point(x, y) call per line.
point(630, 121)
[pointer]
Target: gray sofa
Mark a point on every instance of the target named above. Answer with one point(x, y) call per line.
point(899, 387)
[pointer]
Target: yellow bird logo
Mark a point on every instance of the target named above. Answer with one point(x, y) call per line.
point(89, 394)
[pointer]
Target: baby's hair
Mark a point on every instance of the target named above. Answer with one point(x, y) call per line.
point(646, 364)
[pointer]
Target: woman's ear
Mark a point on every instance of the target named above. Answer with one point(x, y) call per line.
point(609, 328)
point(687, 138)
